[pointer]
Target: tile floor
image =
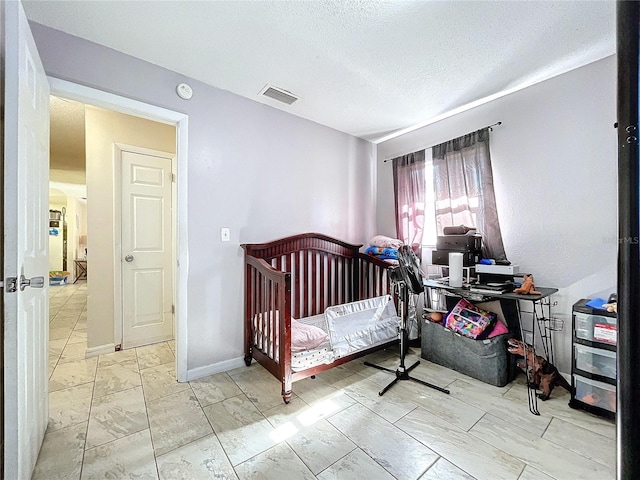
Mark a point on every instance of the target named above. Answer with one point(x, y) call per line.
point(123, 415)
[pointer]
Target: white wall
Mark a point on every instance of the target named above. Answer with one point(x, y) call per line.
point(555, 169)
point(257, 170)
point(72, 235)
point(56, 241)
point(74, 208)
point(80, 207)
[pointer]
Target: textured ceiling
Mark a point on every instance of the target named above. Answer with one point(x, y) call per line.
point(368, 68)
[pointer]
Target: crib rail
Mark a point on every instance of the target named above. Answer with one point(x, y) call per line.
point(267, 314)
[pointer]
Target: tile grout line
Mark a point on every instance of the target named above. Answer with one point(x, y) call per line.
point(86, 434)
point(146, 411)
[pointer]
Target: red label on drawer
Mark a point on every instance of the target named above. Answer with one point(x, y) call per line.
point(605, 333)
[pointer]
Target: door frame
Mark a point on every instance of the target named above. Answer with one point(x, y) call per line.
point(117, 189)
point(110, 101)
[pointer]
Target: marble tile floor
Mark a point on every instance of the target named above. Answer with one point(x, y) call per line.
point(123, 415)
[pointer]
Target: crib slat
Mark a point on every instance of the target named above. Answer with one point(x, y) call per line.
point(295, 270)
point(265, 315)
point(330, 283)
point(254, 308)
point(273, 312)
point(321, 282)
point(276, 318)
point(350, 279)
point(343, 280)
point(314, 283)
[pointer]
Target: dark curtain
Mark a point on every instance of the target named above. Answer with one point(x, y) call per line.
point(463, 187)
point(408, 186)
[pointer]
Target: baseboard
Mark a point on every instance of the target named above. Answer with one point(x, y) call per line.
point(100, 350)
point(225, 366)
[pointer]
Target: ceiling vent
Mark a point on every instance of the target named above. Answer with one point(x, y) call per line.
point(279, 94)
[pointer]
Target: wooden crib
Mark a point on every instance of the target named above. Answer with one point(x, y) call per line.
point(301, 276)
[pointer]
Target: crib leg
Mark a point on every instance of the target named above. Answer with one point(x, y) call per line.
point(287, 388)
point(247, 360)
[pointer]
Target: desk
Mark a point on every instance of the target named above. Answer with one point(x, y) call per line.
point(541, 318)
point(81, 269)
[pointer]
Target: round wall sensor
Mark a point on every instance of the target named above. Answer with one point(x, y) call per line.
point(184, 91)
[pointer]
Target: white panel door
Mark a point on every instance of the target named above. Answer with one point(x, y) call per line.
point(26, 212)
point(147, 273)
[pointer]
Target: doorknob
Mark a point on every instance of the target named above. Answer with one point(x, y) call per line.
point(128, 258)
point(35, 282)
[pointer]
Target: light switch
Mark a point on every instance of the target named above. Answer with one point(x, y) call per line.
point(225, 234)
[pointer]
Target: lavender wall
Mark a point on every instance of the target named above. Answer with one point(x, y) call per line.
point(555, 170)
point(255, 169)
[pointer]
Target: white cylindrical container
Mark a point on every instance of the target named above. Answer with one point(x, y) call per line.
point(455, 269)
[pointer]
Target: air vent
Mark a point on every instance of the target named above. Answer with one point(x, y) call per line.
point(279, 94)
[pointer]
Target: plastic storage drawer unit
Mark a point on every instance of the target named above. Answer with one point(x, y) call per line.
point(595, 361)
point(594, 393)
point(596, 328)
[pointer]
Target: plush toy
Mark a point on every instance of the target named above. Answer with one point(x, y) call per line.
point(611, 307)
point(527, 286)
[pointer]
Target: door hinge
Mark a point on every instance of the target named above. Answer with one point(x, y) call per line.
point(11, 284)
point(173, 309)
point(173, 178)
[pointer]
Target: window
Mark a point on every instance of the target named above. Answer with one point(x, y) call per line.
point(459, 191)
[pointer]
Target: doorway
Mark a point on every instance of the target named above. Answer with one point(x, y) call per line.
point(115, 105)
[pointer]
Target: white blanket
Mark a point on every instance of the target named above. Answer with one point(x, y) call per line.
point(359, 325)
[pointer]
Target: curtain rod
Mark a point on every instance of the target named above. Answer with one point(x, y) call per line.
point(490, 127)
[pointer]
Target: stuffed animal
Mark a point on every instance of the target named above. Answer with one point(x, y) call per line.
point(611, 307)
point(541, 374)
point(527, 287)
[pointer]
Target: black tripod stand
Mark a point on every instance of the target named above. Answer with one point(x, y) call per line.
point(402, 373)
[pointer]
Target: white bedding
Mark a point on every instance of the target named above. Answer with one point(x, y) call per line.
point(352, 327)
point(362, 324)
point(310, 358)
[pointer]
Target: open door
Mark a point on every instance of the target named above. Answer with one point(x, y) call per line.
point(25, 249)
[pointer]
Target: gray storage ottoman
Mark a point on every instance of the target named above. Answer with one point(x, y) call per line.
point(486, 360)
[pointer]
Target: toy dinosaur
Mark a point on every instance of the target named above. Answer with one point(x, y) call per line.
point(542, 374)
point(527, 286)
